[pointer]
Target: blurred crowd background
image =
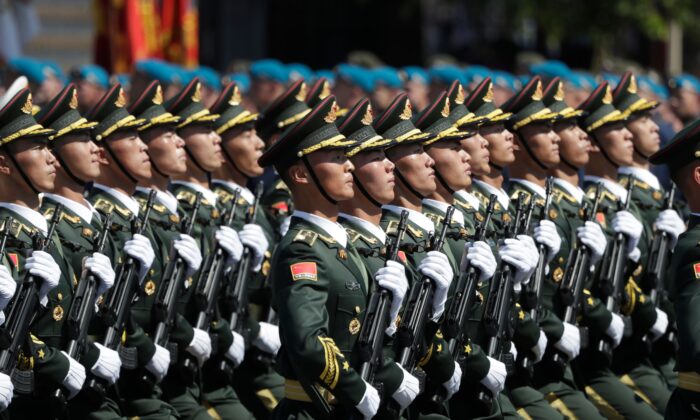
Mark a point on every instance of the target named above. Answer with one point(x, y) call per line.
point(362, 47)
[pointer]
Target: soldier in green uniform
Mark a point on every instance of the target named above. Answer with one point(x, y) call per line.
point(373, 184)
point(285, 111)
point(124, 163)
point(320, 283)
point(241, 148)
point(28, 168)
point(681, 155)
point(612, 147)
point(640, 372)
point(79, 225)
point(202, 145)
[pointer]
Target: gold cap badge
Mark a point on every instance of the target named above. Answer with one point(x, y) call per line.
point(197, 95)
point(559, 96)
point(460, 94)
point(74, 100)
point(332, 114)
point(121, 99)
point(326, 90)
point(607, 99)
point(27, 107)
point(301, 95)
point(158, 97)
point(446, 108)
point(537, 96)
point(407, 111)
point(632, 88)
point(367, 119)
point(489, 93)
point(236, 97)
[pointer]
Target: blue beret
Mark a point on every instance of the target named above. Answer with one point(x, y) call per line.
point(94, 74)
point(612, 79)
point(550, 69)
point(475, 74)
point(270, 69)
point(123, 79)
point(35, 70)
point(162, 71)
point(658, 89)
point(505, 80)
point(242, 80)
point(356, 75)
point(208, 76)
point(416, 73)
point(685, 81)
point(582, 80)
point(328, 74)
point(298, 71)
point(388, 76)
point(446, 74)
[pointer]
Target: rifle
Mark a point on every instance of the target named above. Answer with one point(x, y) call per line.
point(612, 280)
point(115, 309)
point(23, 310)
point(236, 295)
point(417, 312)
point(659, 256)
point(169, 290)
point(82, 308)
point(371, 339)
point(209, 281)
point(531, 297)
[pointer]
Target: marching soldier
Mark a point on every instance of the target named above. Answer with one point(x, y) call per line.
point(681, 154)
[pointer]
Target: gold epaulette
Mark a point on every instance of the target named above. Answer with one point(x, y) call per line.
point(187, 196)
point(107, 207)
point(435, 218)
point(392, 227)
point(354, 235)
point(159, 208)
point(306, 236)
point(16, 228)
point(280, 185)
point(517, 192)
point(482, 198)
point(224, 195)
point(558, 195)
point(625, 180)
point(463, 204)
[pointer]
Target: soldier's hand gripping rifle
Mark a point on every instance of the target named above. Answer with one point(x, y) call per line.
point(170, 287)
point(612, 279)
point(416, 314)
point(659, 256)
point(371, 340)
point(23, 310)
point(530, 298)
point(82, 308)
point(236, 295)
point(210, 278)
point(115, 309)
point(570, 291)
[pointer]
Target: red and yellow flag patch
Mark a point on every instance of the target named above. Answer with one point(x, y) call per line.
point(304, 271)
point(600, 218)
point(14, 258)
point(402, 257)
point(696, 270)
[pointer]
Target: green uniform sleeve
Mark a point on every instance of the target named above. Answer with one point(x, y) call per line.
point(50, 366)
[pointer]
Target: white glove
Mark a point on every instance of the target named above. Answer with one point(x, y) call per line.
point(392, 277)
point(369, 404)
point(479, 255)
point(513, 351)
point(616, 329)
point(75, 378)
point(254, 238)
point(670, 222)
point(8, 286)
point(452, 384)
point(624, 222)
point(547, 235)
point(41, 264)
point(108, 364)
point(140, 249)
point(539, 348)
point(236, 353)
point(408, 390)
point(284, 226)
point(159, 363)
point(200, 347)
point(2, 317)
point(518, 253)
point(591, 235)
point(436, 266)
point(100, 265)
point(570, 342)
point(268, 339)
point(6, 391)
point(229, 241)
point(659, 327)
point(188, 249)
point(495, 379)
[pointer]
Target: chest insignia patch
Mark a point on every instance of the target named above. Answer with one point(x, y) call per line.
point(304, 271)
point(352, 285)
point(696, 270)
point(354, 326)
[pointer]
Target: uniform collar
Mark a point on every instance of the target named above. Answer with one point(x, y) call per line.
point(246, 194)
point(32, 216)
point(641, 174)
point(414, 216)
point(618, 190)
point(124, 199)
point(84, 210)
point(574, 190)
point(531, 186)
point(208, 194)
point(165, 198)
point(370, 227)
point(442, 207)
point(501, 195)
point(469, 198)
point(335, 230)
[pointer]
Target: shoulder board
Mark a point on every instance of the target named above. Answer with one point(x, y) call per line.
point(224, 196)
point(16, 228)
point(354, 235)
point(436, 219)
point(280, 185)
point(607, 195)
point(306, 236)
point(73, 219)
point(463, 204)
point(105, 206)
point(517, 192)
point(392, 227)
point(157, 207)
point(413, 231)
point(482, 198)
point(187, 196)
point(624, 180)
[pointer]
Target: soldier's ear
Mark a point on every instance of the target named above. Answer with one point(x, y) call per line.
point(4, 165)
point(102, 155)
point(696, 175)
point(594, 146)
point(298, 174)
